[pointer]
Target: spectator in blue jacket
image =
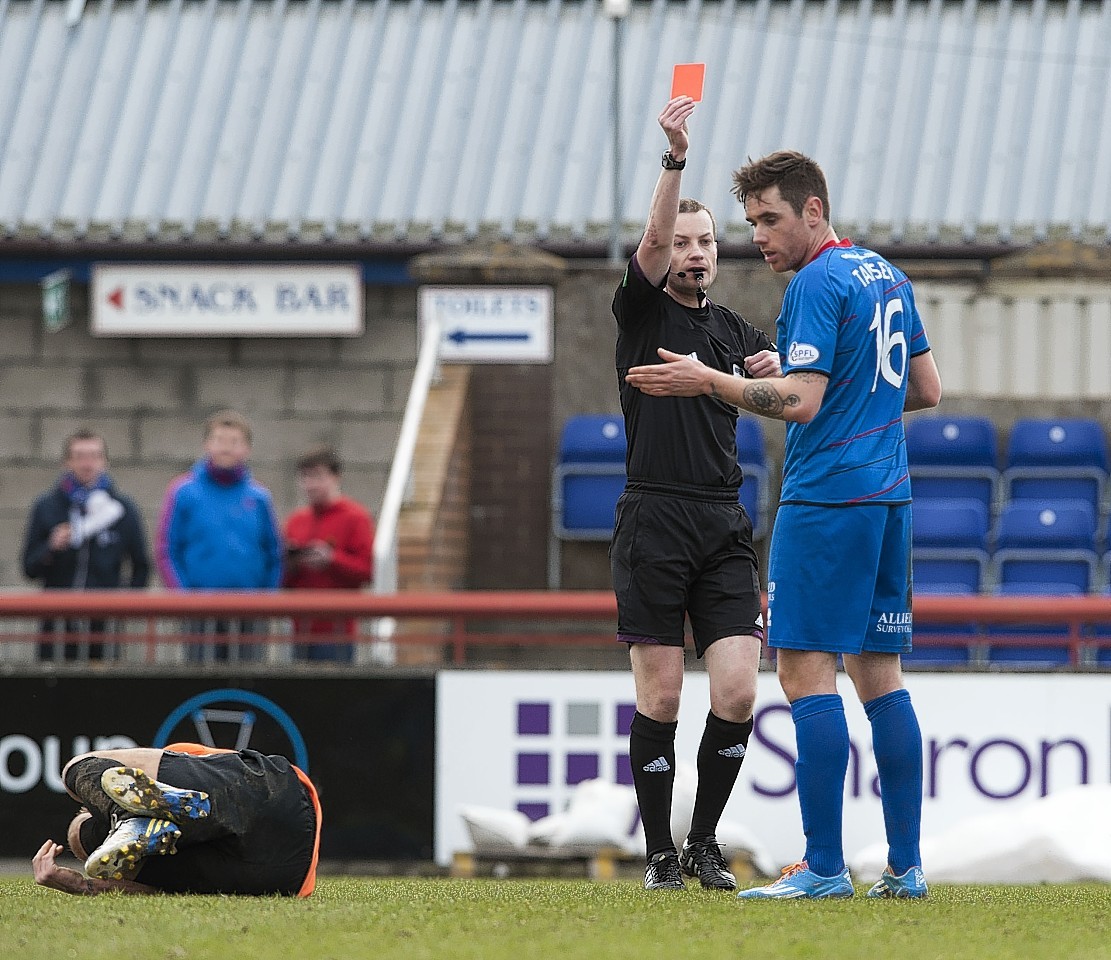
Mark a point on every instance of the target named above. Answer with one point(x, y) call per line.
point(218, 530)
point(80, 536)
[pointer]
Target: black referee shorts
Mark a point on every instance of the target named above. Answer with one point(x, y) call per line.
point(672, 556)
point(259, 837)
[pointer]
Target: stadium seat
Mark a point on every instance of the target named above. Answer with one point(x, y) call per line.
point(958, 523)
point(945, 573)
point(587, 481)
point(1098, 649)
point(960, 638)
point(1056, 460)
point(1046, 542)
point(950, 545)
point(1006, 642)
point(755, 496)
point(955, 457)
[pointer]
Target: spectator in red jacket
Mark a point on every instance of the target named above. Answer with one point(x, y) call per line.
point(328, 546)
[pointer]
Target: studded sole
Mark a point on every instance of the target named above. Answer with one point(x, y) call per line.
point(122, 862)
point(134, 791)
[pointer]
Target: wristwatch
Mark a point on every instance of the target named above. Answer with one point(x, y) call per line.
point(670, 163)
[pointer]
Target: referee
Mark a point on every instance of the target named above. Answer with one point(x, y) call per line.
point(682, 544)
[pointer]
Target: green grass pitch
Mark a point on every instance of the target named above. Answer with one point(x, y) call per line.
point(352, 918)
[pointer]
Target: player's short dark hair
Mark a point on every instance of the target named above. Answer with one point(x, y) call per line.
point(228, 418)
point(82, 433)
point(798, 177)
point(321, 456)
point(690, 205)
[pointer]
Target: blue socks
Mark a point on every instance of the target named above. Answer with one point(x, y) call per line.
point(822, 737)
point(897, 744)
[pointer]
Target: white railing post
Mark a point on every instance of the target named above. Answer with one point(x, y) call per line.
point(397, 486)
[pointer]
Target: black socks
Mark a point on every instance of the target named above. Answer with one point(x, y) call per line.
point(83, 779)
point(720, 755)
point(652, 755)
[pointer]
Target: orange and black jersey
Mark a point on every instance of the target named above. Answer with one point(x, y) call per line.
point(685, 442)
point(264, 826)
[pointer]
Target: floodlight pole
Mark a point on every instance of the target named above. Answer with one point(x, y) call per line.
point(617, 11)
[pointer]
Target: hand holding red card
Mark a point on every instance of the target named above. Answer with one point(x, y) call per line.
point(686, 80)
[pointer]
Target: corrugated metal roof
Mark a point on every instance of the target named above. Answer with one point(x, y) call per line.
point(403, 120)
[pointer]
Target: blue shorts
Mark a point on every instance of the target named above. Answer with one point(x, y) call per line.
point(839, 579)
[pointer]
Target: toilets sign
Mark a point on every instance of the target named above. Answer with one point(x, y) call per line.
point(227, 300)
point(490, 324)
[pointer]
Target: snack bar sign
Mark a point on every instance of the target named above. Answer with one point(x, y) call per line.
point(227, 300)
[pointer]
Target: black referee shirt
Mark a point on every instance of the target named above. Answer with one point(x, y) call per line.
point(685, 441)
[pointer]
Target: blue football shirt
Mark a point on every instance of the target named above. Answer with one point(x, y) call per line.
point(851, 315)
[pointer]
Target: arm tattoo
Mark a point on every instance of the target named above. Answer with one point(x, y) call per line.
point(762, 399)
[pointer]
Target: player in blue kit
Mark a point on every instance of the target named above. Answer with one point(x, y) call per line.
point(855, 357)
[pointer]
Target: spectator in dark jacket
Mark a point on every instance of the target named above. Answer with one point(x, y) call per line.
point(79, 536)
point(218, 530)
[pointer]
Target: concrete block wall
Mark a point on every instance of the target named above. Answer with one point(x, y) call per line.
point(149, 397)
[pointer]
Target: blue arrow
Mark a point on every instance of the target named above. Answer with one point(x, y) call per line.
point(460, 337)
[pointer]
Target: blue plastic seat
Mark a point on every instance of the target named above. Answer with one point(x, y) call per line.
point(593, 438)
point(1050, 654)
point(587, 481)
point(953, 457)
point(1051, 459)
point(1047, 542)
point(754, 495)
point(950, 544)
point(750, 441)
point(963, 636)
point(590, 494)
point(1099, 634)
point(943, 572)
point(959, 523)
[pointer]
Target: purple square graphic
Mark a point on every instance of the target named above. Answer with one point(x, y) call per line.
point(534, 811)
point(624, 769)
point(581, 766)
point(624, 718)
point(533, 768)
point(534, 719)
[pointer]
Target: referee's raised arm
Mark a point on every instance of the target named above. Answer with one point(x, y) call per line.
point(654, 251)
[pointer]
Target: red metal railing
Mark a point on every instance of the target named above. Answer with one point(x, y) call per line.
point(463, 619)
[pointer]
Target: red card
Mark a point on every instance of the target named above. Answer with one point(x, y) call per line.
point(686, 80)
